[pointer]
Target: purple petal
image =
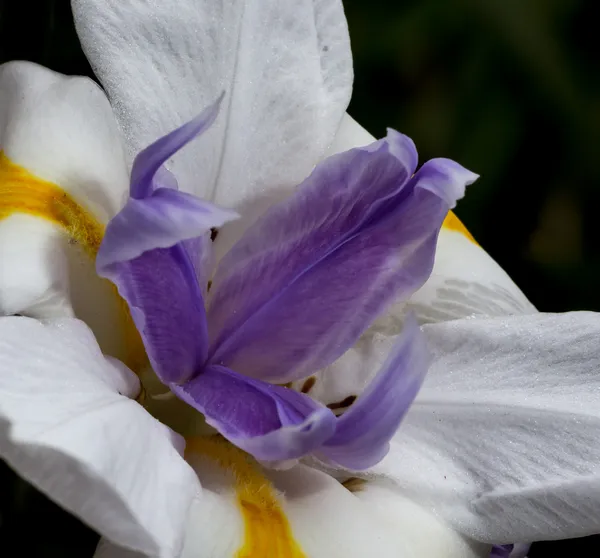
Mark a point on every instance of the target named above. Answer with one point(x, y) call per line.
point(150, 160)
point(272, 423)
point(161, 220)
point(147, 254)
point(166, 305)
point(363, 432)
point(309, 277)
point(501, 551)
point(510, 550)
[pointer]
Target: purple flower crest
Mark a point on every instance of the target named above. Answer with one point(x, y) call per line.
point(295, 292)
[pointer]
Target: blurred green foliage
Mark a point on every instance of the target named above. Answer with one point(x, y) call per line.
point(509, 88)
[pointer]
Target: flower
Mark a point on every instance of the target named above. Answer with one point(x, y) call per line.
point(500, 443)
point(293, 294)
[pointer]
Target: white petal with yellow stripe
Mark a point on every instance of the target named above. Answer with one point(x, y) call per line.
point(62, 177)
point(68, 423)
point(246, 511)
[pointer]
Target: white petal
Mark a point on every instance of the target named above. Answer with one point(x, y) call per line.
point(326, 520)
point(426, 535)
point(62, 129)
point(285, 66)
point(68, 427)
point(502, 440)
point(350, 134)
point(34, 270)
point(60, 136)
point(465, 280)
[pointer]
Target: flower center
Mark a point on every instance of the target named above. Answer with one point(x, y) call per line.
point(23, 193)
point(267, 531)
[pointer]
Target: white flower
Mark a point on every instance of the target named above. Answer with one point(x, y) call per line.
point(500, 444)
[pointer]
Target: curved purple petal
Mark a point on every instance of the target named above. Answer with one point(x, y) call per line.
point(272, 423)
point(148, 161)
point(161, 220)
point(147, 253)
point(363, 432)
point(167, 308)
point(300, 288)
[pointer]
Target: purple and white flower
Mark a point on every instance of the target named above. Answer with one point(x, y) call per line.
point(304, 347)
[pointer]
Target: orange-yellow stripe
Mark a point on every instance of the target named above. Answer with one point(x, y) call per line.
point(267, 531)
point(22, 192)
point(453, 223)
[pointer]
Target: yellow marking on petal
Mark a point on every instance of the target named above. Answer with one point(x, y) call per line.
point(267, 531)
point(453, 223)
point(22, 192)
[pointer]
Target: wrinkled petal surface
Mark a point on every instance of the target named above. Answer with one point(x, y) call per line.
point(310, 276)
point(363, 432)
point(69, 427)
point(272, 423)
point(502, 439)
point(285, 64)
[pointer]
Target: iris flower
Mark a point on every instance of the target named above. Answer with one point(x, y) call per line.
point(209, 287)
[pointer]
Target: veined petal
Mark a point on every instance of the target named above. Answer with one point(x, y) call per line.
point(69, 427)
point(363, 432)
point(465, 280)
point(502, 438)
point(312, 274)
point(272, 423)
point(147, 254)
point(161, 62)
point(166, 305)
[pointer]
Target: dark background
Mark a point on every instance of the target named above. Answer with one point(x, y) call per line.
point(510, 88)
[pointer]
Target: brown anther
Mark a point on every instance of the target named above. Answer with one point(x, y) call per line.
point(213, 233)
point(343, 404)
point(308, 384)
point(354, 484)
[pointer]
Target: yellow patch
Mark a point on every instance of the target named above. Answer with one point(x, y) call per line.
point(453, 223)
point(267, 532)
point(22, 192)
